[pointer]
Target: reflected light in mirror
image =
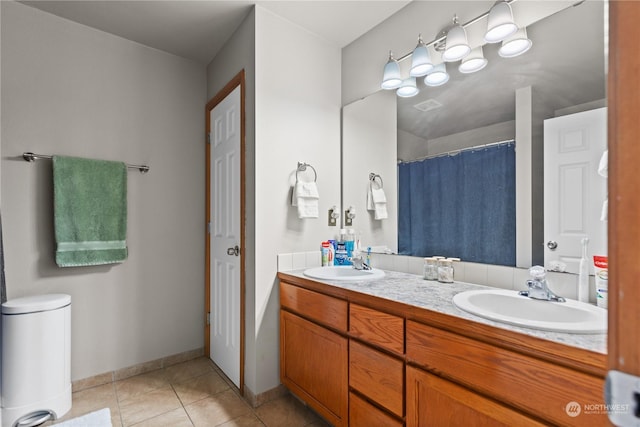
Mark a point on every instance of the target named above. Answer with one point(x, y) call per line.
point(475, 61)
point(500, 23)
point(391, 78)
point(420, 60)
point(438, 76)
point(515, 45)
point(408, 88)
point(456, 46)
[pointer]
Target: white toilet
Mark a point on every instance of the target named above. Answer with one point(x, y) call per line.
point(36, 363)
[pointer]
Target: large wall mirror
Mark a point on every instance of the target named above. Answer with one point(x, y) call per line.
point(563, 73)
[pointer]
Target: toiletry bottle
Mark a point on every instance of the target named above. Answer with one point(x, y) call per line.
point(350, 243)
point(333, 245)
point(445, 271)
point(325, 253)
point(341, 249)
point(430, 269)
point(453, 268)
point(583, 273)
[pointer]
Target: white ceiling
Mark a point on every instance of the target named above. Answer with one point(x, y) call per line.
point(198, 29)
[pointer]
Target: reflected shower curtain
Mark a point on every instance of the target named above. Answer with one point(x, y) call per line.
point(460, 206)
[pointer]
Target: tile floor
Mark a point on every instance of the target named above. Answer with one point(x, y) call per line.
point(189, 394)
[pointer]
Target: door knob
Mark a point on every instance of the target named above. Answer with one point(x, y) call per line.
point(233, 251)
point(552, 245)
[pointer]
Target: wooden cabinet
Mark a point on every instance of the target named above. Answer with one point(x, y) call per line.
point(364, 414)
point(377, 376)
point(359, 360)
point(313, 359)
point(377, 328)
point(535, 386)
point(433, 401)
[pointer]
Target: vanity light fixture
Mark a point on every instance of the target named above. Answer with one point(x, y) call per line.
point(473, 62)
point(391, 78)
point(515, 45)
point(420, 60)
point(456, 45)
point(438, 76)
point(500, 23)
point(408, 88)
point(453, 45)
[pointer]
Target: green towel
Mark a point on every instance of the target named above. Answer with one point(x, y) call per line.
point(90, 211)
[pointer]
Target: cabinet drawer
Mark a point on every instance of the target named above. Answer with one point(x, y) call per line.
point(432, 401)
point(324, 309)
point(378, 328)
point(364, 414)
point(535, 386)
point(378, 376)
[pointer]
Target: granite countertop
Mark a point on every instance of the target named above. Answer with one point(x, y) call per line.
point(411, 289)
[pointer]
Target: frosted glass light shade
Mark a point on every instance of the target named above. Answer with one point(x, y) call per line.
point(391, 78)
point(500, 23)
point(408, 88)
point(438, 76)
point(515, 45)
point(456, 45)
point(420, 61)
point(475, 61)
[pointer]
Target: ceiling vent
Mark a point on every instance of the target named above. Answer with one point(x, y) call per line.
point(428, 105)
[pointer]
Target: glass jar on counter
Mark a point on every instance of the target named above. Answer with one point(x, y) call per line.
point(445, 271)
point(430, 269)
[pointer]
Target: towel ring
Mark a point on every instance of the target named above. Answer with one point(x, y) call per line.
point(373, 176)
point(303, 167)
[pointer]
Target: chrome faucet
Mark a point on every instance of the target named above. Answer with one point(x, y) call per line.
point(359, 264)
point(538, 287)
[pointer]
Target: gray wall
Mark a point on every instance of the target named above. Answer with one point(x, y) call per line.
point(369, 130)
point(238, 54)
point(293, 115)
point(72, 90)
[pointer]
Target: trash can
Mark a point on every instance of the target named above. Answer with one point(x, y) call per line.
point(36, 362)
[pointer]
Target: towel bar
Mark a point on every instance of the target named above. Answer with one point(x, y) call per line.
point(31, 157)
point(373, 176)
point(303, 167)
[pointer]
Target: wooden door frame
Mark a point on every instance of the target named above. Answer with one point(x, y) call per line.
point(237, 80)
point(624, 183)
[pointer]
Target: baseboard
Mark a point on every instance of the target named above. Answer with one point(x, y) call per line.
point(140, 368)
point(264, 397)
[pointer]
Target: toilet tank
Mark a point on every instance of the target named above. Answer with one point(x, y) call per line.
point(36, 362)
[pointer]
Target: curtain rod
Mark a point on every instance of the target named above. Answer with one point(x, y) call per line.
point(31, 157)
point(455, 152)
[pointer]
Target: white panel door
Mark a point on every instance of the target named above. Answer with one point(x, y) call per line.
point(573, 190)
point(225, 235)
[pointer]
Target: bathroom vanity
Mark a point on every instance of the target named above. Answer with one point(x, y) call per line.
point(396, 351)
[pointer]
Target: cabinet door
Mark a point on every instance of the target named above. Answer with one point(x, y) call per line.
point(432, 401)
point(313, 365)
point(378, 376)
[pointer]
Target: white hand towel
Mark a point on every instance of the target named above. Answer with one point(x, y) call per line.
point(603, 167)
point(379, 203)
point(306, 197)
point(374, 187)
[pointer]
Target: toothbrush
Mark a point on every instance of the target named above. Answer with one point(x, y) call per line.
point(369, 256)
point(583, 273)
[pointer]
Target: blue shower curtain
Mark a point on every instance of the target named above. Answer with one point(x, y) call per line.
point(460, 206)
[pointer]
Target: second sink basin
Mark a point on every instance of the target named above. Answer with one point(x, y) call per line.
point(343, 272)
point(509, 307)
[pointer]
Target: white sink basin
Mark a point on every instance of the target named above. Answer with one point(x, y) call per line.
point(509, 307)
point(343, 272)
